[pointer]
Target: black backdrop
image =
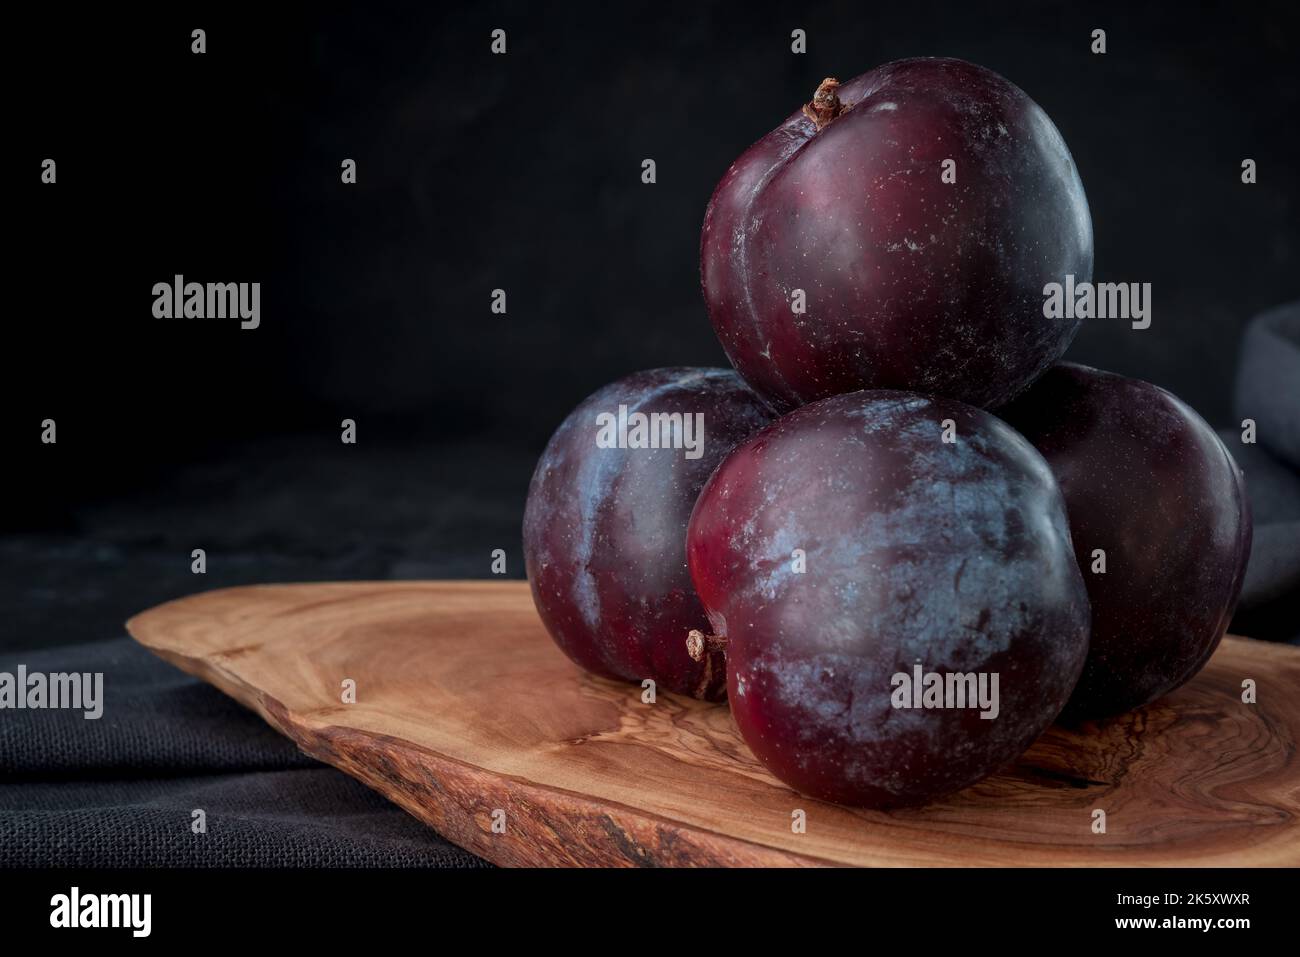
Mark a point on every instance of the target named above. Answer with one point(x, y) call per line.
point(521, 172)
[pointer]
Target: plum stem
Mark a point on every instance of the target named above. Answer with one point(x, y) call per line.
point(697, 641)
point(825, 105)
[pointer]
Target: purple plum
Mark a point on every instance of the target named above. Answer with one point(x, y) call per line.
point(868, 535)
point(605, 522)
point(913, 272)
point(1160, 523)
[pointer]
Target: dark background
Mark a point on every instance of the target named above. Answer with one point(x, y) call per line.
point(522, 172)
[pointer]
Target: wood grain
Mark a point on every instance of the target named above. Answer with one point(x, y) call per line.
point(464, 706)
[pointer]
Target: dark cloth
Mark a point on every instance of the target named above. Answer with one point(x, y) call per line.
point(1270, 596)
point(1268, 394)
point(1268, 380)
point(120, 790)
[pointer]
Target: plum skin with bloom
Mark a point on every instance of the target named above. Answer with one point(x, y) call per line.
point(1150, 484)
point(605, 529)
point(955, 556)
point(911, 282)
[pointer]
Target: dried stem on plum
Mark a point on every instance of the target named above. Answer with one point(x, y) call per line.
point(825, 104)
point(697, 642)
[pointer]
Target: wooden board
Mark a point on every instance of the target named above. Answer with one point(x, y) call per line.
point(464, 707)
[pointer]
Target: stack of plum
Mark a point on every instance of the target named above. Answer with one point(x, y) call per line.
point(896, 589)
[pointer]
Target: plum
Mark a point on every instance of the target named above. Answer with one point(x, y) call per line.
point(605, 522)
point(909, 280)
point(1150, 487)
point(850, 543)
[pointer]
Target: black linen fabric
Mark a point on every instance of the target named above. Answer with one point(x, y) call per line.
point(120, 790)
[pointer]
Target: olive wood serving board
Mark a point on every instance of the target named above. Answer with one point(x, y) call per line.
point(464, 708)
